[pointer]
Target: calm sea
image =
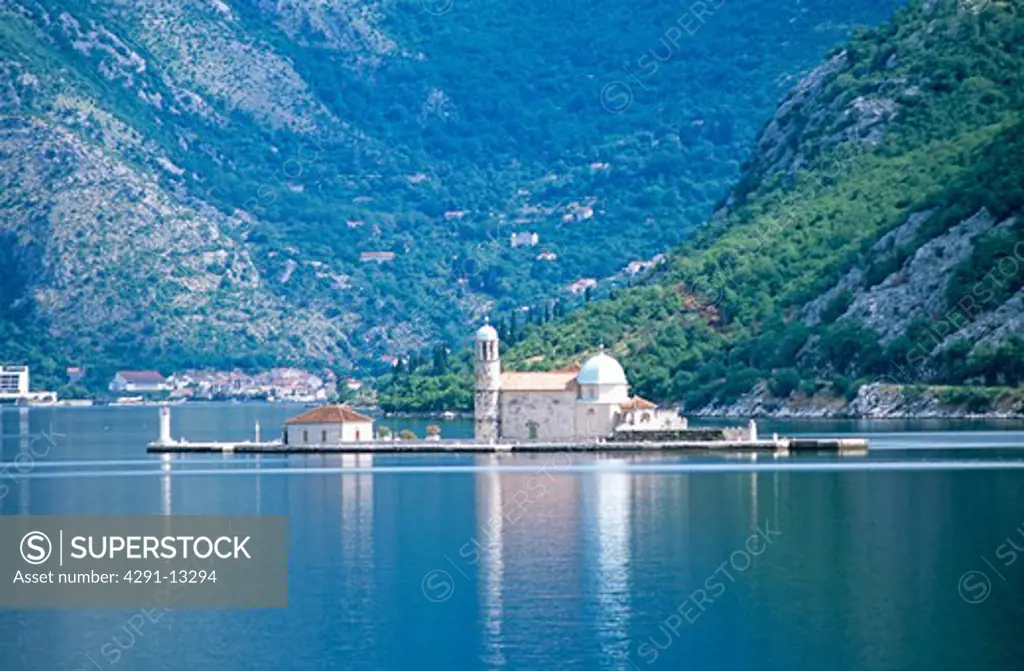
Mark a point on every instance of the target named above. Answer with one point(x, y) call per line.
point(902, 560)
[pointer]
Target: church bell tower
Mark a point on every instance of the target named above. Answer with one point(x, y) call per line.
point(487, 389)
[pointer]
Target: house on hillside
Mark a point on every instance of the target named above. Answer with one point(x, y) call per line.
point(524, 239)
point(377, 257)
point(75, 374)
point(328, 425)
point(580, 286)
point(138, 381)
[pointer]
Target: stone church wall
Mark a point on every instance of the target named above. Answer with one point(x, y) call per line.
point(596, 420)
point(550, 412)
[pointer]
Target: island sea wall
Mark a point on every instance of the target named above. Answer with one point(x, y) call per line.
point(680, 435)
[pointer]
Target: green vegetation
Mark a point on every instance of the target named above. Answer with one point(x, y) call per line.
point(726, 312)
point(494, 110)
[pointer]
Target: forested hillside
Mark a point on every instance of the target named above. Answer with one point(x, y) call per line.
point(199, 182)
point(876, 235)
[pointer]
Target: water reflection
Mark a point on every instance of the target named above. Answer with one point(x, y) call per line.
point(166, 491)
point(490, 533)
point(613, 509)
point(24, 457)
point(358, 549)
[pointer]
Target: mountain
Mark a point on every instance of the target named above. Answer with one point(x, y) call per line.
point(875, 241)
point(205, 182)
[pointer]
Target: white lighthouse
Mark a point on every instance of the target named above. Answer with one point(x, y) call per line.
point(488, 384)
point(165, 426)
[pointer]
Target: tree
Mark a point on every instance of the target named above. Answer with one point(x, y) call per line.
point(784, 382)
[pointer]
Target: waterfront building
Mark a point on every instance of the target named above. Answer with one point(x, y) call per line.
point(585, 402)
point(14, 381)
point(328, 425)
point(138, 381)
point(15, 388)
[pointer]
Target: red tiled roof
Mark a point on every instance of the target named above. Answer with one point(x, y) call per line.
point(329, 414)
point(537, 381)
point(637, 403)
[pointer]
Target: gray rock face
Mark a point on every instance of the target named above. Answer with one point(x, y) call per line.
point(776, 145)
point(113, 249)
point(900, 237)
point(991, 328)
point(919, 287)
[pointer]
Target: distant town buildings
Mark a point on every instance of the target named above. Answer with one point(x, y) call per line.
point(277, 384)
point(547, 256)
point(75, 374)
point(454, 214)
point(138, 382)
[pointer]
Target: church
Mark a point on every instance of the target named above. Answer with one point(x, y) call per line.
point(585, 402)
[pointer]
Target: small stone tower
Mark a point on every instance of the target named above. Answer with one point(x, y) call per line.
point(487, 389)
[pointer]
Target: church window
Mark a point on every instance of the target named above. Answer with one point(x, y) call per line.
point(646, 417)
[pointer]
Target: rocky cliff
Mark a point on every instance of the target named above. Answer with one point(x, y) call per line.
point(206, 182)
point(874, 241)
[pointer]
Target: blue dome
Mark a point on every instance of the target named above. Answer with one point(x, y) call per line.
point(601, 369)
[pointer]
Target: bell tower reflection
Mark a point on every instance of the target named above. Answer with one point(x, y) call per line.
point(490, 534)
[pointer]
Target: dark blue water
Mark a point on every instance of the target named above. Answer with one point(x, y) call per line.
point(553, 561)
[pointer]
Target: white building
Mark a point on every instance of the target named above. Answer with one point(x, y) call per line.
point(138, 381)
point(328, 425)
point(575, 403)
point(525, 238)
point(14, 387)
point(13, 381)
